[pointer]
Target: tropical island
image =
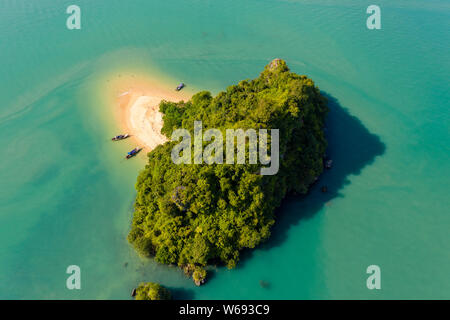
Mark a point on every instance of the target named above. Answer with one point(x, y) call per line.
point(194, 215)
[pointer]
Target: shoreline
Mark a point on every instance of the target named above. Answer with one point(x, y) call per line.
point(136, 100)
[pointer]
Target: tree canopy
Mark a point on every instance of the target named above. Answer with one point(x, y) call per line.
point(196, 214)
point(152, 291)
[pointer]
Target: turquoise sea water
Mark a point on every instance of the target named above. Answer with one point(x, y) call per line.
point(66, 195)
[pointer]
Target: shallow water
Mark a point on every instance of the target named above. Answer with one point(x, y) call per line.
point(66, 195)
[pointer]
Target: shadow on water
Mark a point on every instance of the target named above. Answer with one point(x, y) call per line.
point(182, 293)
point(351, 147)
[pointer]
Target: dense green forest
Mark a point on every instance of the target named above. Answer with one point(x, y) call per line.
point(152, 291)
point(193, 215)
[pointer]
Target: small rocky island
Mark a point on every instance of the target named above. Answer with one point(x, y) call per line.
point(193, 215)
point(151, 291)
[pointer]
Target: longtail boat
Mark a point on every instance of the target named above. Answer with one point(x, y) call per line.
point(120, 137)
point(133, 153)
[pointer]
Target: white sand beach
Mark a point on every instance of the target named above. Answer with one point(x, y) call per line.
point(138, 113)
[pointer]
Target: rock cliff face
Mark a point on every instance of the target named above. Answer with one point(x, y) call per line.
point(274, 64)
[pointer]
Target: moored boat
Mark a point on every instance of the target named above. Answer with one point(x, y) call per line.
point(120, 137)
point(180, 86)
point(133, 152)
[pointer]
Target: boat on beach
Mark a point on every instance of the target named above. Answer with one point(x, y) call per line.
point(120, 137)
point(180, 86)
point(133, 153)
